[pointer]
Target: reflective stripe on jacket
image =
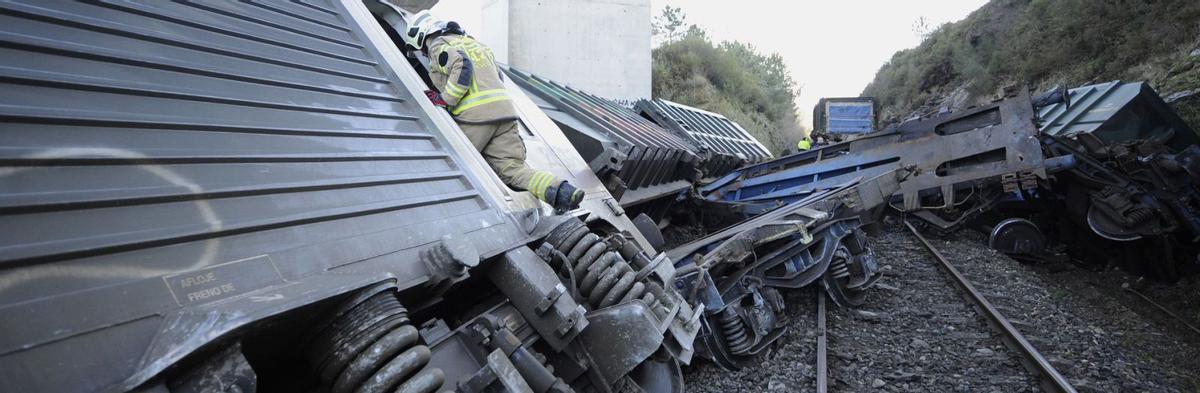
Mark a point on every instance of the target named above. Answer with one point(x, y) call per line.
point(465, 71)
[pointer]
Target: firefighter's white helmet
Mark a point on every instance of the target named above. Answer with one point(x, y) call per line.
point(422, 25)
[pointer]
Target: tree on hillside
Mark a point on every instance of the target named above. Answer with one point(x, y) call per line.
point(730, 78)
point(669, 26)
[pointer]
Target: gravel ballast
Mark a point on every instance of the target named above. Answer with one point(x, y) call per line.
point(917, 334)
point(1096, 333)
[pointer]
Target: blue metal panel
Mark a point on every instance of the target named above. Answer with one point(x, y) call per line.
point(845, 115)
point(849, 126)
point(850, 117)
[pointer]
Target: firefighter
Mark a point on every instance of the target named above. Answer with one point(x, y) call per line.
point(472, 90)
point(804, 144)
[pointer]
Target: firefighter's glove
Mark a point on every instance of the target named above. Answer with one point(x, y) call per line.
point(435, 98)
point(564, 197)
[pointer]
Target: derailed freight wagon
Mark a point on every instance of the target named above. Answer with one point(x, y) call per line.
point(723, 143)
point(953, 157)
point(209, 196)
point(1132, 199)
point(639, 162)
point(845, 116)
point(1106, 172)
point(737, 273)
point(257, 197)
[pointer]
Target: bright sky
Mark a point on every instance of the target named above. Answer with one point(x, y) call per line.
point(833, 47)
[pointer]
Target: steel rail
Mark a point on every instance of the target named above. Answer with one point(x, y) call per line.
point(1164, 309)
point(1049, 378)
point(822, 346)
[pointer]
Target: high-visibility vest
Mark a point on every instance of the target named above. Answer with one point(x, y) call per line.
point(466, 73)
point(804, 144)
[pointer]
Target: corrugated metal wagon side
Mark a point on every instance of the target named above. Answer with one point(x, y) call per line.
point(725, 144)
point(164, 163)
point(649, 161)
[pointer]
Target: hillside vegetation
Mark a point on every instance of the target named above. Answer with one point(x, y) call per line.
point(1044, 43)
point(730, 78)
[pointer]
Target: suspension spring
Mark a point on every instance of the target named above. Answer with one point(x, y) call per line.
point(372, 346)
point(1141, 215)
point(837, 266)
point(602, 275)
point(733, 329)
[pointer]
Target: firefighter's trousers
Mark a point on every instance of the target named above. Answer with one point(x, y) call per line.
point(504, 151)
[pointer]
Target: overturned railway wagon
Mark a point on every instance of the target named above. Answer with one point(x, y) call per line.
point(255, 196)
point(637, 159)
point(1132, 199)
point(951, 158)
point(845, 116)
point(204, 195)
point(1107, 172)
point(723, 143)
point(738, 273)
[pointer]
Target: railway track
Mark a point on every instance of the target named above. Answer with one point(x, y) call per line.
point(1048, 377)
point(916, 333)
point(1096, 344)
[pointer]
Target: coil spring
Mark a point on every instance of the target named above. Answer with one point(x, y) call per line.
point(838, 267)
point(1139, 216)
point(734, 331)
point(602, 275)
point(372, 347)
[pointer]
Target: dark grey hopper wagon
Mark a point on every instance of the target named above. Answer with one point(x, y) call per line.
point(211, 195)
point(723, 143)
point(647, 160)
point(256, 196)
point(171, 173)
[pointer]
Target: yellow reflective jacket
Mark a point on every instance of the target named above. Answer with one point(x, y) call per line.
point(804, 144)
point(466, 74)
